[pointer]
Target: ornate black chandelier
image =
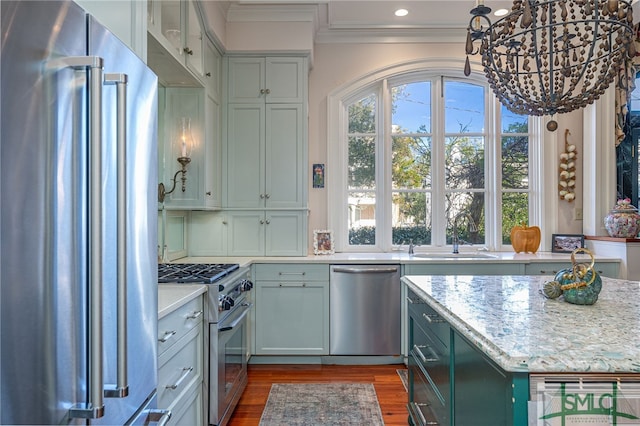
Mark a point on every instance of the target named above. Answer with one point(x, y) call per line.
point(551, 57)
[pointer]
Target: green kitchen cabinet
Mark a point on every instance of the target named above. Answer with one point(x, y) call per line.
point(266, 233)
point(483, 393)
point(458, 268)
point(606, 269)
point(259, 80)
point(175, 26)
point(429, 364)
point(451, 382)
point(266, 154)
point(188, 103)
point(291, 309)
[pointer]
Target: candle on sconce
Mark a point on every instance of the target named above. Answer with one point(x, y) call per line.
point(184, 146)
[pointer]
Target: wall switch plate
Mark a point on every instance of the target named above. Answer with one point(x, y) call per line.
point(577, 213)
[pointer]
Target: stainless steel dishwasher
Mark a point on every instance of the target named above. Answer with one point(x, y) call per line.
point(364, 310)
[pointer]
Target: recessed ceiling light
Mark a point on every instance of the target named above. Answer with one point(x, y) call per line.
point(501, 12)
point(401, 12)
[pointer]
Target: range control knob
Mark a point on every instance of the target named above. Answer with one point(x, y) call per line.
point(225, 303)
point(246, 285)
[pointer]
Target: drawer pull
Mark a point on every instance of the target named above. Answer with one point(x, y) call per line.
point(433, 318)
point(424, 359)
point(292, 285)
point(194, 315)
point(414, 302)
point(167, 335)
point(423, 419)
point(292, 273)
point(185, 372)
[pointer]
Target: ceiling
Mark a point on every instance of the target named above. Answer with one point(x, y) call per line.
point(368, 15)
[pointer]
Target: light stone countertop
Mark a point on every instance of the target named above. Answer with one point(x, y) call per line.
point(402, 257)
point(509, 320)
point(172, 296)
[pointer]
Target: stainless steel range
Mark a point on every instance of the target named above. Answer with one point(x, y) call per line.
point(226, 349)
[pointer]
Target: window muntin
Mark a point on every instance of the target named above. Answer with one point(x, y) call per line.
point(361, 173)
point(451, 125)
point(515, 156)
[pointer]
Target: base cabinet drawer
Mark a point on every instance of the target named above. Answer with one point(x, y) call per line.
point(180, 367)
point(425, 406)
point(188, 410)
point(178, 323)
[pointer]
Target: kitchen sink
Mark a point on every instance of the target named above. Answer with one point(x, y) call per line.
point(454, 256)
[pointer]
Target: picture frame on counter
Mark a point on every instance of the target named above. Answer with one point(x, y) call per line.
point(323, 242)
point(566, 243)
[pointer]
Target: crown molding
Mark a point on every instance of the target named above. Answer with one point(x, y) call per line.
point(279, 13)
point(391, 35)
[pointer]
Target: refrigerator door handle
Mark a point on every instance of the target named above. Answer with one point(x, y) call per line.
point(94, 407)
point(121, 388)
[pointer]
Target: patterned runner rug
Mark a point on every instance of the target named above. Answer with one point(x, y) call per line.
point(322, 404)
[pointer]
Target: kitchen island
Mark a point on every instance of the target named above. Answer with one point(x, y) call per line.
point(487, 348)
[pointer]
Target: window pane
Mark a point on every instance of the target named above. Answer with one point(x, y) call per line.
point(515, 162)
point(464, 108)
point(411, 109)
point(362, 115)
point(466, 209)
point(411, 218)
point(411, 162)
point(513, 123)
point(515, 211)
point(362, 162)
point(464, 162)
point(362, 218)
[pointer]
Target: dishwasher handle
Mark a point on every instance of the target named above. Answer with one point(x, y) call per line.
point(365, 270)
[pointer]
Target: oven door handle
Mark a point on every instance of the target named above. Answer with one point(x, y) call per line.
point(245, 310)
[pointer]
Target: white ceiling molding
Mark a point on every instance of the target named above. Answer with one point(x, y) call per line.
point(431, 35)
point(272, 13)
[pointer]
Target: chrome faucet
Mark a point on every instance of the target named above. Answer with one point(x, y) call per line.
point(411, 246)
point(456, 238)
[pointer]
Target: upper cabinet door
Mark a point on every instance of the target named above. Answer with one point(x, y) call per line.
point(175, 27)
point(270, 80)
point(285, 82)
point(194, 41)
point(246, 80)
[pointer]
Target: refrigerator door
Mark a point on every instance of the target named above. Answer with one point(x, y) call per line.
point(43, 216)
point(54, 300)
point(136, 120)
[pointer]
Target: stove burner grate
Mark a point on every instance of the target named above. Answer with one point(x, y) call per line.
point(194, 272)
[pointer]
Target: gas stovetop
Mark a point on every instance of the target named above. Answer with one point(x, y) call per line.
point(194, 272)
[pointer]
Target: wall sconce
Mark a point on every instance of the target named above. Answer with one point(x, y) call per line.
point(184, 145)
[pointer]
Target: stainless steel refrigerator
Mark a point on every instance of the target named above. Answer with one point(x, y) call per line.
point(78, 278)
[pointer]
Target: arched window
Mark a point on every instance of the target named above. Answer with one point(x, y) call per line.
point(418, 154)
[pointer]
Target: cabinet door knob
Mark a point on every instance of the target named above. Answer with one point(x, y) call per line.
point(188, 51)
point(208, 74)
point(209, 193)
point(261, 222)
point(268, 221)
point(267, 196)
point(224, 222)
point(268, 91)
point(262, 91)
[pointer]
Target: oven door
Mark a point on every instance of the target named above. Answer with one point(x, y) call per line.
point(231, 375)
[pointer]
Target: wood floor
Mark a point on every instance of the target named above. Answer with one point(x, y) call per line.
point(391, 393)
